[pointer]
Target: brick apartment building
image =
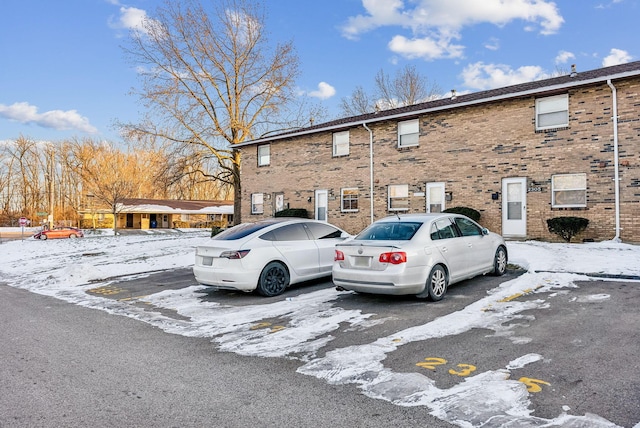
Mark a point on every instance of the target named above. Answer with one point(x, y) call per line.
point(565, 146)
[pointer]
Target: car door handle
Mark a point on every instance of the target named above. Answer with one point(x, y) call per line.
point(443, 249)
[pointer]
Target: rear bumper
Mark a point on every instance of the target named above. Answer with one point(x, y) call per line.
point(410, 281)
point(226, 279)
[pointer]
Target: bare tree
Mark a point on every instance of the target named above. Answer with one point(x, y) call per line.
point(108, 174)
point(407, 87)
point(212, 80)
point(359, 103)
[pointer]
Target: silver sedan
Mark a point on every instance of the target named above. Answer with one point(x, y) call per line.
point(419, 254)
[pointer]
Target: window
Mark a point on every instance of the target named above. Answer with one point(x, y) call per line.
point(264, 155)
point(408, 133)
point(323, 231)
point(443, 229)
point(435, 197)
point(569, 190)
point(341, 143)
point(291, 232)
point(398, 199)
point(349, 198)
point(389, 231)
point(257, 203)
point(467, 227)
point(552, 112)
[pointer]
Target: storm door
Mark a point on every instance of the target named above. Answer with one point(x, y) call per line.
point(514, 207)
point(321, 205)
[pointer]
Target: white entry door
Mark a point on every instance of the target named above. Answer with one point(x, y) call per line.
point(321, 205)
point(514, 207)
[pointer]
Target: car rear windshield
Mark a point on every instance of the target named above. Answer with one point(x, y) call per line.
point(389, 231)
point(241, 230)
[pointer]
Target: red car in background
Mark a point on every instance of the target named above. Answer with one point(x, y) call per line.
point(59, 232)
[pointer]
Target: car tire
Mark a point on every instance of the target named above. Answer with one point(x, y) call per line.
point(73, 236)
point(43, 237)
point(500, 261)
point(274, 279)
point(437, 284)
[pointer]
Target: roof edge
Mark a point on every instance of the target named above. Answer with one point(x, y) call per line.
point(380, 117)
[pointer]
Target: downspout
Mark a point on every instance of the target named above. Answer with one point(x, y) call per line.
point(615, 159)
point(370, 169)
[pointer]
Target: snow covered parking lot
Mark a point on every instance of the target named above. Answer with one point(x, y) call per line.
point(520, 353)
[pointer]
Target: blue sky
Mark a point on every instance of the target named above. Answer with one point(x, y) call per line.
point(63, 73)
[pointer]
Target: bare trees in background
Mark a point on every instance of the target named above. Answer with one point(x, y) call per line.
point(212, 80)
point(407, 87)
point(69, 176)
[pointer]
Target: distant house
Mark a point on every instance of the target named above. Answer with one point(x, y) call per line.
point(162, 213)
point(520, 155)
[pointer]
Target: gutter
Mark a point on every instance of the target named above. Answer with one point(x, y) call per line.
point(616, 159)
point(370, 169)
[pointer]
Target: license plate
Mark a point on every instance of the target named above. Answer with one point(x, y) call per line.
point(207, 261)
point(361, 261)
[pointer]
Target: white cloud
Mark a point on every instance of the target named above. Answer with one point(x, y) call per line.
point(564, 56)
point(492, 44)
point(488, 76)
point(615, 57)
point(55, 119)
point(426, 48)
point(132, 18)
point(434, 23)
point(324, 91)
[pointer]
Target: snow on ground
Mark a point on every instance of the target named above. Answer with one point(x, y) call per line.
point(67, 268)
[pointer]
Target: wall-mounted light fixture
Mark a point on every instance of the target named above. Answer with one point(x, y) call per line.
point(495, 196)
point(448, 196)
point(309, 199)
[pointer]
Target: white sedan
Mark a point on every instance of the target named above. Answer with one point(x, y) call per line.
point(419, 254)
point(269, 255)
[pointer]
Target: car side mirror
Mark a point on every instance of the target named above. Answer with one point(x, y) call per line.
point(485, 231)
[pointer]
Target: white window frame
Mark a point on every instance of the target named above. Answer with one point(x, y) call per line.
point(396, 192)
point(408, 133)
point(553, 106)
point(257, 203)
point(575, 183)
point(441, 194)
point(353, 194)
point(264, 154)
point(341, 143)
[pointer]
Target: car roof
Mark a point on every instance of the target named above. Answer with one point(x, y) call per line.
point(417, 217)
point(277, 220)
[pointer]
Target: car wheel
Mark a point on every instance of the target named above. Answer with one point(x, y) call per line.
point(274, 279)
point(43, 237)
point(73, 236)
point(500, 261)
point(437, 283)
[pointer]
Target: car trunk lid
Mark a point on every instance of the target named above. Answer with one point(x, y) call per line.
point(365, 255)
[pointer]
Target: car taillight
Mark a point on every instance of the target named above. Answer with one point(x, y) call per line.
point(234, 254)
point(339, 256)
point(395, 258)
